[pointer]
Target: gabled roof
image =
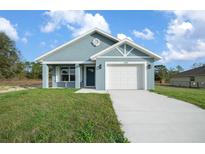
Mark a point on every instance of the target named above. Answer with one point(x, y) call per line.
point(192, 72)
point(76, 39)
point(126, 41)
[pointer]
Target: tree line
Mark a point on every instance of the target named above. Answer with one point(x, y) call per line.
point(163, 74)
point(11, 63)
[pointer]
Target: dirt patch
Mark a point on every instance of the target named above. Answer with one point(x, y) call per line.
point(5, 89)
point(21, 83)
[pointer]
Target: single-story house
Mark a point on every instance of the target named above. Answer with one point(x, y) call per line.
point(190, 78)
point(99, 60)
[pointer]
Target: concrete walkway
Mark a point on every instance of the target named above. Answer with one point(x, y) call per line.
point(90, 90)
point(149, 117)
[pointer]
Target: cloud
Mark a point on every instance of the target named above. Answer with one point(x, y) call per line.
point(185, 36)
point(25, 37)
point(8, 29)
point(145, 34)
point(77, 22)
point(122, 36)
point(24, 40)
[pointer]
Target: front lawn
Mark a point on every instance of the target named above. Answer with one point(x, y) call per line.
point(57, 115)
point(191, 95)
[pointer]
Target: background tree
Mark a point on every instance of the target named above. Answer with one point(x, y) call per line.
point(161, 73)
point(195, 65)
point(36, 71)
point(9, 58)
point(33, 70)
point(179, 68)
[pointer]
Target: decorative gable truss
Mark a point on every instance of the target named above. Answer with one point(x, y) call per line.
point(125, 52)
point(125, 49)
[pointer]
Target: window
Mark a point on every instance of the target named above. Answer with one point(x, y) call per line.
point(192, 78)
point(72, 73)
point(68, 73)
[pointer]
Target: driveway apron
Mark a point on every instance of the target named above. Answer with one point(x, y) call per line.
point(150, 117)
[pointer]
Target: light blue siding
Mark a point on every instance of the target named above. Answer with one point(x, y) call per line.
point(80, 50)
point(113, 52)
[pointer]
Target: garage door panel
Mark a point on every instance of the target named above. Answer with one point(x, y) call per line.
point(125, 76)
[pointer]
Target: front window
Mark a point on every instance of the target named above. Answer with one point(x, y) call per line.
point(68, 73)
point(192, 78)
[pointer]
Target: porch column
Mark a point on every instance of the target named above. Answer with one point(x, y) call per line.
point(54, 76)
point(77, 76)
point(45, 76)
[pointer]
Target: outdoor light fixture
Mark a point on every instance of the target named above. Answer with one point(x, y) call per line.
point(99, 66)
point(148, 66)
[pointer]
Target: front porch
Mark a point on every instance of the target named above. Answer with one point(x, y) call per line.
point(69, 75)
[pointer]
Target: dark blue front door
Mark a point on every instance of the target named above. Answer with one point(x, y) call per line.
point(90, 76)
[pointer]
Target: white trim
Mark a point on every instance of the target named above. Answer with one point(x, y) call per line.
point(68, 62)
point(129, 51)
point(93, 57)
point(75, 39)
point(119, 51)
point(142, 49)
point(137, 57)
point(85, 75)
point(126, 63)
point(145, 74)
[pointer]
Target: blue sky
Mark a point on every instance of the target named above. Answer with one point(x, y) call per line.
point(177, 36)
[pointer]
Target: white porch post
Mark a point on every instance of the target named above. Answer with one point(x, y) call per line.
point(77, 76)
point(54, 76)
point(45, 76)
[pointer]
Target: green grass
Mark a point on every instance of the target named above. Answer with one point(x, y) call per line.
point(190, 95)
point(57, 115)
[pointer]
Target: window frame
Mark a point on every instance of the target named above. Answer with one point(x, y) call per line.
point(68, 68)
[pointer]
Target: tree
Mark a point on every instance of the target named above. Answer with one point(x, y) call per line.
point(36, 71)
point(161, 73)
point(9, 58)
point(195, 65)
point(33, 70)
point(179, 68)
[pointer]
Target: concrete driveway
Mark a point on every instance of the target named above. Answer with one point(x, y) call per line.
point(149, 117)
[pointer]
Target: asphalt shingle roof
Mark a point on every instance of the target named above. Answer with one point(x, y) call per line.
point(192, 72)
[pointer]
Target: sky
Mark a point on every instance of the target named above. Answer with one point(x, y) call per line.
point(177, 36)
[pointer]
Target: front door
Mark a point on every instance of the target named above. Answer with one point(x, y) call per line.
point(90, 76)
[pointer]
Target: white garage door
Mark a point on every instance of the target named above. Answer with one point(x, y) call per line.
point(125, 77)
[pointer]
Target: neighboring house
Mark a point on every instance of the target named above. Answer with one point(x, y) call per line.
point(190, 78)
point(98, 60)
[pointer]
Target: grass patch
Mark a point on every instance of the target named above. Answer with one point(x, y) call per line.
point(190, 95)
point(57, 115)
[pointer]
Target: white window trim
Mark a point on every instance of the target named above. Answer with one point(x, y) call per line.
point(127, 63)
point(68, 73)
point(85, 76)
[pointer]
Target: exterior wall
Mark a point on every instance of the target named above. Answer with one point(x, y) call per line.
point(100, 73)
point(181, 81)
point(200, 78)
point(80, 50)
point(185, 82)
